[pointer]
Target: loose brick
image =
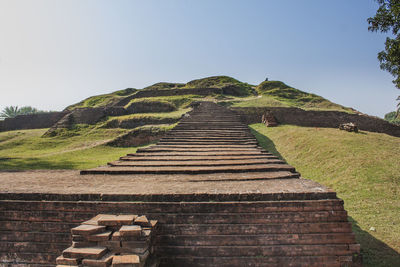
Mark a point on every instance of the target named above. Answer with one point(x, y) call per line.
point(116, 220)
point(116, 236)
point(142, 221)
point(94, 220)
point(130, 230)
point(100, 237)
point(87, 253)
point(83, 244)
point(126, 260)
point(85, 229)
point(67, 261)
point(105, 261)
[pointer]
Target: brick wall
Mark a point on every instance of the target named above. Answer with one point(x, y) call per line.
point(226, 232)
point(32, 121)
point(312, 118)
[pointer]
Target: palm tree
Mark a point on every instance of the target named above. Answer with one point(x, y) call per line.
point(10, 112)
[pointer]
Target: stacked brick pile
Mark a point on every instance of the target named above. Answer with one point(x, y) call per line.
point(269, 120)
point(110, 240)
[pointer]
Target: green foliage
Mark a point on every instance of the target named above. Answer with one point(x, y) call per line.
point(13, 111)
point(393, 117)
point(179, 101)
point(387, 19)
point(362, 168)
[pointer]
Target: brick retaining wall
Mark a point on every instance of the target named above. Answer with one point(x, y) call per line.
point(32, 121)
point(313, 118)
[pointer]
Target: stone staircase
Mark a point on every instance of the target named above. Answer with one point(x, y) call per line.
point(288, 230)
point(211, 139)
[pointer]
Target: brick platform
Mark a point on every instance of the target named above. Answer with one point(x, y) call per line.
point(223, 201)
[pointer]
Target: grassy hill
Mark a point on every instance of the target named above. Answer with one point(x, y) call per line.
point(235, 93)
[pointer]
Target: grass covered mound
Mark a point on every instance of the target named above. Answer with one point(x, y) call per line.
point(164, 86)
point(293, 97)
point(104, 100)
point(229, 85)
point(364, 171)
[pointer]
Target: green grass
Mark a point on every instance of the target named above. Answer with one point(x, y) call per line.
point(103, 100)
point(177, 114)
point(27, 149)
point(293, 97)
point(179, 101)
point(362, 168)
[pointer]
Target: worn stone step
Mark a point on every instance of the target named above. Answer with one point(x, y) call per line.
point(200, 218)
point(38, 258)
point(197, 153)
point(207, 143)
point(256, 229)
point(32, 247)
point(211, 149)
point(204, 146)
point(267, 251)
point(172, 163)
point(139, 157)
point(299, 261)
point(190, 170)
point(155, 207)
point(255, 240)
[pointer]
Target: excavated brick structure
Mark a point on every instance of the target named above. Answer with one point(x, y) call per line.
point(220, 200)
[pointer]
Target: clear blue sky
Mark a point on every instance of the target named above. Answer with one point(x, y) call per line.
point(54, 53)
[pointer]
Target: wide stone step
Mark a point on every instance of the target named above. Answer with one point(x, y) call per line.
point(200, 149)
point(190, 170)
point(139, 157)
point(264, 251)
point(198, 153)
point(205, 146)
point(300, 261)
point(171, 163)
point(256, 240)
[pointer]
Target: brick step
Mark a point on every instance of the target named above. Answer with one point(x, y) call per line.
point(209, 145)
point(276, 250)
point(32, 247)
point(190, 170)
point(255, 229)
point(209, 140)
point(29, 226)
point(41, 237)
point(141, 153)
point(303, 190)
point(150, 163)
point(206, 143)
point(300, 261)
point(39, 258)
point(139, 157)
point(255, 240)
point(215, 149)
point(172, 207)
point(193, 218)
